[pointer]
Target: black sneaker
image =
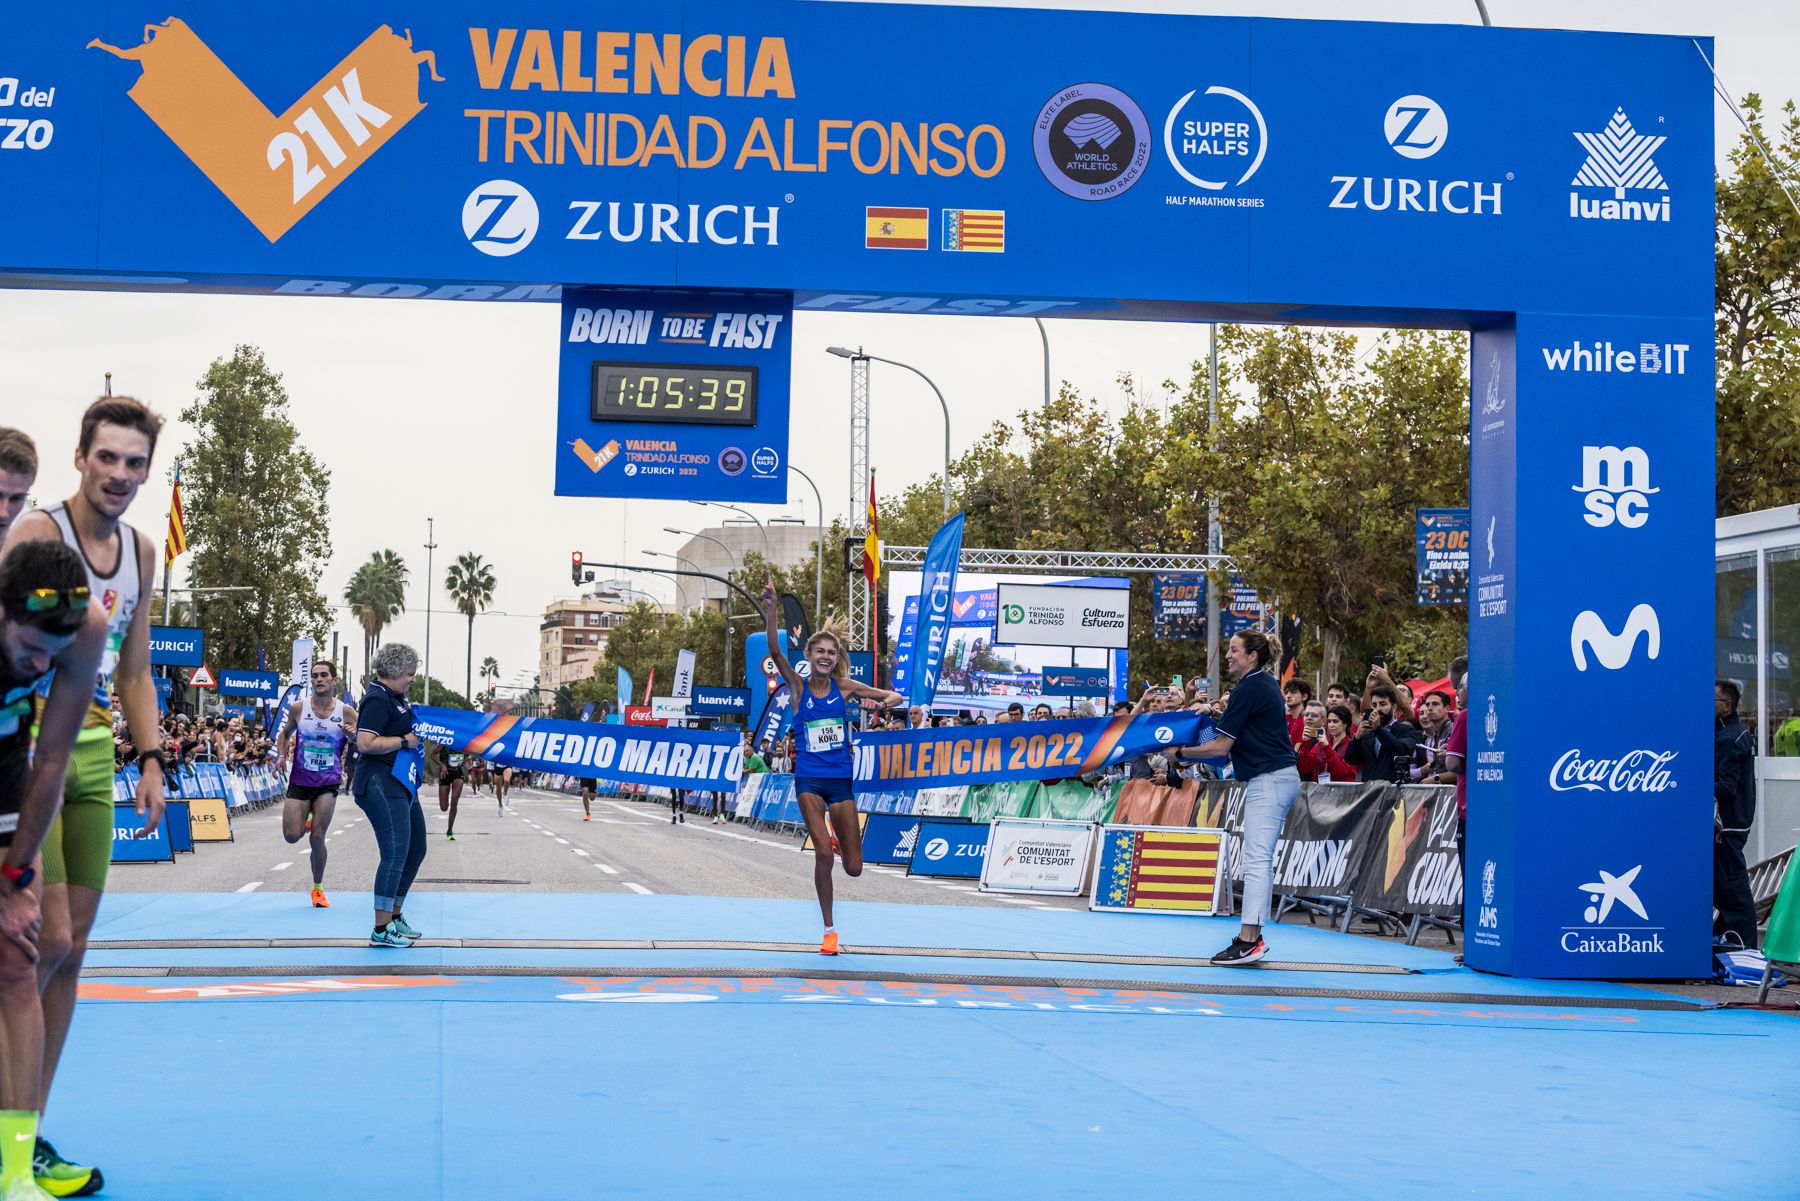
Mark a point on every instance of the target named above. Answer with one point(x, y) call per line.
point(1241, 953)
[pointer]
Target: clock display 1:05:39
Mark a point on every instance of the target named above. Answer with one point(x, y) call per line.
point(674, 392)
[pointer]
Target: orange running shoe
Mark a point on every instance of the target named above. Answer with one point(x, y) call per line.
point(587, 817)
point(309, 823)
point(318, 898)
point(834, 843)
point(830, 945)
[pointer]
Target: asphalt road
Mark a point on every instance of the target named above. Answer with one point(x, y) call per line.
point(541, 844)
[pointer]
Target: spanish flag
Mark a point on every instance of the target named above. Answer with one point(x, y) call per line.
point(176, 543)
point(897, 229)
point(872, 542)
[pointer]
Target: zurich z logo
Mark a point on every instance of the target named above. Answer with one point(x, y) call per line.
point(1613, 651)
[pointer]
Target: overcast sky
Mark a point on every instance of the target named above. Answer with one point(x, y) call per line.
point(389, 393)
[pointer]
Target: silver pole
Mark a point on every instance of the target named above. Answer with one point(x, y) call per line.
point(944, 405)
point(1046, 340)
point(819, 568)
point(1215, 541)
point(430, 545)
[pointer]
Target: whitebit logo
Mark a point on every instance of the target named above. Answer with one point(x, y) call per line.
point(1612, 890)
point(1416, 126)
point(500, 218)
point(1615, 484)
point(1589, 632)
point(1619, 160)
point(1602, 358)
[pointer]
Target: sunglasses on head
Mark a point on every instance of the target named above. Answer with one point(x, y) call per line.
point(46, 600)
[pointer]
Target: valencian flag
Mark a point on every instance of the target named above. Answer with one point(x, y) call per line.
point(1159, 868)
point(176, 543)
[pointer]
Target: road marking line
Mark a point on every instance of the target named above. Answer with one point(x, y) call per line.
point(563, 841)
point(252, 886)
point(1016, 901)
point(581, 852)
point(637, 888)
point(282, 867)
point(611, 871)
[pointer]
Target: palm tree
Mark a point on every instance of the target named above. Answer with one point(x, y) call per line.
point(375, 596)
point(490, 672)
point(470, 583)
point(392, 564)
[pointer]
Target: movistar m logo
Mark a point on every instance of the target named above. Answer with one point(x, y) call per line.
point(1613, 651)
point(275, 169)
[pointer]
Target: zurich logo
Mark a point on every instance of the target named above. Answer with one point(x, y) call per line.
point(1164, 735)
point(1416, 127)
point(936, 849)
point(500, 218)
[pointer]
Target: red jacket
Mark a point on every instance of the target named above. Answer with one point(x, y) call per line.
point(1321, 761)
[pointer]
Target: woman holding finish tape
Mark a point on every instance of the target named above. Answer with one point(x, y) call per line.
point(386, 787)
point(822, 763)
point(1254, 731)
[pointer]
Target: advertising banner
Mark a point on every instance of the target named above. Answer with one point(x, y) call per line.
point(890, 838)
point(955, 849)
point(180, 823)
point(264, 685)
point(210, 818)
point(1178, 606)
point(1329, 833)
point(1027, 855)
point(1048, 615)
point(683, 687)
point(622, 684)
point(1039, 750)
point(300, 668)
point(177, 646)
point(668, 708)
point(862, 667)
point(1413, 867)
point(642, 715)
point(711, 701)
point(129, 848)
point(759, 668)
point(1076, 681)
point(667, 395)
point(917, 674)
point(1244, 610)
point(1441, 555)
point(710, 760)
point(1155, 868)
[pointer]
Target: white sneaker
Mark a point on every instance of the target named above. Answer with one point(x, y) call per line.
point(24, 1188)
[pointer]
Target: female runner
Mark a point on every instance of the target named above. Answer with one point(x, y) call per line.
point(822, 770)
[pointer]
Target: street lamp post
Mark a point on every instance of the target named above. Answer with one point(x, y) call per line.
point(1045, 338)
point(430, 545)
point(726, 550)
point(819, 567)
point(858, 353)
point(768, 555)
point(680, 590)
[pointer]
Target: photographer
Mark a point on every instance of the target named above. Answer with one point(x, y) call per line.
point(1385, 743)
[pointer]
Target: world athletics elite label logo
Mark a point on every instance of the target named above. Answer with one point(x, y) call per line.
point(1092, 141)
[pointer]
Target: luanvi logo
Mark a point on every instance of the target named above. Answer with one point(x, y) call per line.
point(275, 169)
point(1619, 161)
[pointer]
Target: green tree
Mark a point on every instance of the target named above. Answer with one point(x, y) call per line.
point(636, 644)
point(376, 595)
point(257, 512)
point(470, 583)
point(490, 672)
point(1757, 293)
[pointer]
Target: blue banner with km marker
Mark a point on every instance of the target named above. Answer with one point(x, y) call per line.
point(708, 760)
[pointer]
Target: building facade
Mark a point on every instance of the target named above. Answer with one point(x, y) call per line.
point(572, 636)
point(790, 544)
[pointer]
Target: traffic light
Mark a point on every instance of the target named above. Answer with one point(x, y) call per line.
point(575, 567)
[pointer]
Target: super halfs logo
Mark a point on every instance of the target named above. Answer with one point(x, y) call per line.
point(275, 169)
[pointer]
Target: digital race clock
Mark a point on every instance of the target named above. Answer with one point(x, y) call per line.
point(686, 393)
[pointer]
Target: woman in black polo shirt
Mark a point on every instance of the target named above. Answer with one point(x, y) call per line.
point(386, 788)
point(1254, 732)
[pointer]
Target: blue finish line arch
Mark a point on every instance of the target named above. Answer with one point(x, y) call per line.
point(1550, 191)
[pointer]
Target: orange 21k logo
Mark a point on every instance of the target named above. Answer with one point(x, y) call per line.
point(275, 169)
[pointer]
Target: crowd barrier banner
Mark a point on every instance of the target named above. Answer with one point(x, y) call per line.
point(181, 826)
point(1147, 803)
point(891, 838)
point(776, 804)
point(710, 760)
point(1039, 855)
point(1042, 750)
point(1155, 868)
point(986, 802)
point(157, 847)
point(1327, 837)
point(1072, 800)
point(940, 802)
point(210, 818)
point(1413, 867)
point(955, 849)
point(743, 805)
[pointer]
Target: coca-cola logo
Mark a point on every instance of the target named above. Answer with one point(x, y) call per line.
point(1634, 771)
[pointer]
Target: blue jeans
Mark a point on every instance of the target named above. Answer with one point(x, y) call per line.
point(1267, 799)
point(399, 826)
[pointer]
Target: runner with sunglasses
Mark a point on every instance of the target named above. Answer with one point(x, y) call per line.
point(118, 439)
point(46, 622)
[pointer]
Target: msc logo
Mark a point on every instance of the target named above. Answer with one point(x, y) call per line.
point(500, 218)
point(1613, 650)
point(275, 169)
point(1615, 485)
point(1416, 126)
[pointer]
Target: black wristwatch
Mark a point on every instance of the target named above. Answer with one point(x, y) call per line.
point(155, 753)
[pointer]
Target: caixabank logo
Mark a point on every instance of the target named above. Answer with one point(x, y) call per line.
point(275, 169)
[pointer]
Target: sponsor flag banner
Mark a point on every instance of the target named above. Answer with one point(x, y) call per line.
point(1039, 750)
point(300, 668)
point(1153, 868)
point(709, 760)
point(937, 591)
point(587, 712)
point(776, 719)
point(1028, 855)
point(897, 229)
point(1329, 834)
point(981, 230)
point(1413, 868)
point(1441, 556)
point(1178, 606)
point(623, 685)
point(177, 646)
point(278, 714)
point(684, 675)
point(175, 542)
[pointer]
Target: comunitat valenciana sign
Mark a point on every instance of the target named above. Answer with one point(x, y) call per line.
point(678, 174)
point(1053, 615)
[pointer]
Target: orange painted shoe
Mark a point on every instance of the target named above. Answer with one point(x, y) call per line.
point(587, 817)
point(834, 843)
point(309, 818)
point(830, 945)
point(318, 898)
